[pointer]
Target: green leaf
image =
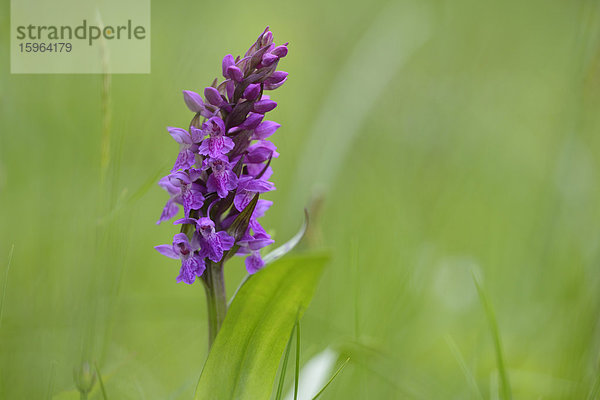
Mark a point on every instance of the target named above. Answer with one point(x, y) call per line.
point(289, 245)
point(278, 252)
point(245, 356)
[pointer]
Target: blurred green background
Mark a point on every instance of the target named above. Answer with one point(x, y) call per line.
point(433, 140)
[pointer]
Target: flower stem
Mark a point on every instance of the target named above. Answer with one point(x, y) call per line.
point(216, 300)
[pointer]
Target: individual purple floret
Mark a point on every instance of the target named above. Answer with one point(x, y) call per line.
point(222, 179)
point(192, 264)
point(212, 243)
point(255, 238)
point(187, 148)
point(171, 208)
point(189, 190)
point(248, 186)
point(224, 164)
point(216, 144)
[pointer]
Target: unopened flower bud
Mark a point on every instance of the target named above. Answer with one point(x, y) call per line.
point(227, 62)
point(235, 73)
point(193, 101)
point(263, 106)
point(268, 59)
point(267, 38)
point(213, 96)
point(280, 51)
point(252, 91)
point(252, 121)
point(84, 377)
point(273, 86)
point(276, 77)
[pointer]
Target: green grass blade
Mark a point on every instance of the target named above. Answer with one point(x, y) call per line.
point(595, 390)
point(10, 256)
point(505, 390)
point(284, 366)
point(101, 382)
point(354, 263)
point(472, 382)
point(260, 319)
point(50, 388)
point(297, 371)
point(331, 379)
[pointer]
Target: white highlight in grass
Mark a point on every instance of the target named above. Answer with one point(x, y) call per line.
point(314, 375)
point(453, 283)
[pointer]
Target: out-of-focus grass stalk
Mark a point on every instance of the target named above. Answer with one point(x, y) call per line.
point(356, 87)
point(471, 381)
point(595, 391)
point(355, 269)
point(10, 256)
point(284, 365)
point(50, 389)
point(297, 371)
point(106, 114)
point(505, 390)
point(101, 382)
point(336, 373)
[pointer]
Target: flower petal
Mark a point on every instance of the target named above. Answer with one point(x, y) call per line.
point(167, 250)
point(254, 263)
point(181, 136)
point(193, 101)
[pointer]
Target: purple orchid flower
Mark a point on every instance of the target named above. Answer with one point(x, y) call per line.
point(247, 187)
point(194, 102)
point(187, 148)
point(265, 129)
point(217, 144)
point(171, 207)
point(230, 70)
point(252, 122)
point(261, 151)
point(222, 179)
point(232, 136)
point(259, 211)
point(212, 243)
point(257, 154)
point(253, 261)
point(191, 192)
point(192, 264)
point(255, 239)
point(264, 105)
